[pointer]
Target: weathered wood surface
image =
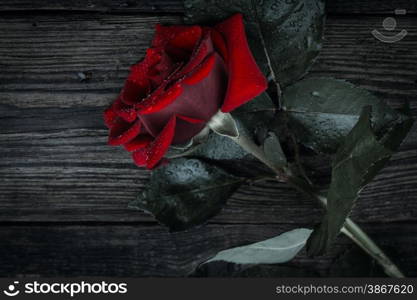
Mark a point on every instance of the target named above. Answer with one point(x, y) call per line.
point(56, 167)
point(176, 6)
point(130, 251)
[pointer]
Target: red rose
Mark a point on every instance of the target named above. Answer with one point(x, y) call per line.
point(187, 76)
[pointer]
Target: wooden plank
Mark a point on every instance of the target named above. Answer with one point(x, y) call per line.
point(132, 251)
point(108, 6)
point(370, 6)
point(54, 174)
point(176, 6)
point(45, 58)
point(56, 165)
point(42, 56)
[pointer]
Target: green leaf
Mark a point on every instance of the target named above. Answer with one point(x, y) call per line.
point(279, 249)
point(356, 162)
point(218, 147)
point(186, 192)
point(285, 36)
point(256, 114)
point(273, 151)
point(322, 111)
point(261, 104)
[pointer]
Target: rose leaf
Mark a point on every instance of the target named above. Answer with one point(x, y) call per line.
point(186, 192)
point(273, 150)
point(257, 113)
point(322, 111)
point(285, 36)
point(356, 162)
point(279, 249)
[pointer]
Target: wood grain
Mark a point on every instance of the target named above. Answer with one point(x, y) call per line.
point(131, 251)
point(45, 58)
point(176, 6)
point(64, 192)
point(56, 165)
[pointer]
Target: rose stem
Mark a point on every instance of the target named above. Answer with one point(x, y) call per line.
point(350, 229)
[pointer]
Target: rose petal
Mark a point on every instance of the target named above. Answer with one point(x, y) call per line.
point(246, 81)
point(190, 120)
point(141, 141)
point(177, 41)
point(159, 71)
point(138, 72)
point(139, 157)
point(126, 112)
point(198, 101)
point(163, 34)
point(137, 85)
point(179, 35)
point(123, 132)
point(133, 92)
point(187, 38)
point(155, 67)
point(157, 149)
point(219, 43)
point(109, 116)
point(202, 71)
point(199, 54)
point(159, 100)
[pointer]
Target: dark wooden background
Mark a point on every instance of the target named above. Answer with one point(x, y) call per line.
point(64, 192)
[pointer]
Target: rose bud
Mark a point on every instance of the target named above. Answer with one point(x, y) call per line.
point(186, 77)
